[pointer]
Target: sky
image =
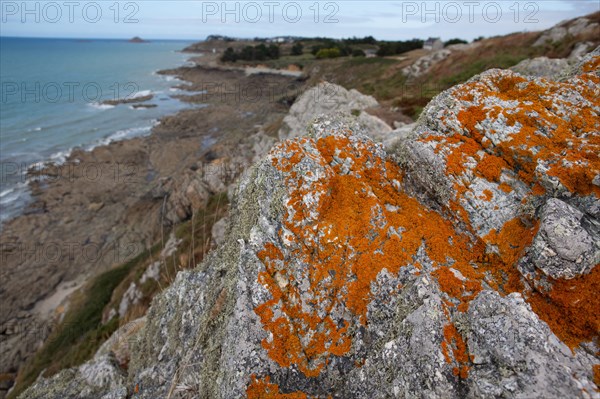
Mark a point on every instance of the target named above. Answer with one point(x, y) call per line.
point(194, 19)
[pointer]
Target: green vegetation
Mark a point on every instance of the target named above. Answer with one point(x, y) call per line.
point(328, 53)
point(368, 75)
point(81, 333)
point(331, 47)
point(358, 53)
point(297, 49)
point(455, 41)
point(395, 48)
point(252, 53)
point(502, 61)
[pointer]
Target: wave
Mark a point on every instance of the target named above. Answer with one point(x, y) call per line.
point(122, 135)
point(100, 105)
point(58, 157)
point(6, 192)
point(171, 78)
point(13, 200)
point(61, 156)
point(139, 94)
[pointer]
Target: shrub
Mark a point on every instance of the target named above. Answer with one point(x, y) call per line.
point(250, 53)
point(358, 53)
point(229, 55)
point(328, 53)
point(393, 48)
point(297, 49)
point(455, 41)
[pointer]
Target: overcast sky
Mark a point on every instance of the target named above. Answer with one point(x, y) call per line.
point(191, 19)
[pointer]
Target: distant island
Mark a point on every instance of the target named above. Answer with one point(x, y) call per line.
point(137, 39)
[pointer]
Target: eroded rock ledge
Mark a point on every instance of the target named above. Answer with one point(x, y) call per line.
point(461, 263)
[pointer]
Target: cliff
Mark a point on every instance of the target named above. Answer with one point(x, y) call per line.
point(459, 261)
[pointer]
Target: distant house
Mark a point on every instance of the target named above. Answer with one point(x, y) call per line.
point(370, 53)
point(281, 39)
point(433, 43)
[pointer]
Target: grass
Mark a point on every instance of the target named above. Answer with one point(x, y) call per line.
point(81, 333)
point(77, 338)
point(368, 75)
point(502, 61)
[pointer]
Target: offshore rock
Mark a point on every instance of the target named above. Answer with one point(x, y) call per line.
point(350, 272)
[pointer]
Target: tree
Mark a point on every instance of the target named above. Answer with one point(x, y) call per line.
point(229, 55)
point(297, 49)
point(455, 41)
point(358, 53)
point(273, 52)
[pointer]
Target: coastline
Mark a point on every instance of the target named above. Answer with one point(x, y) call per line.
point(103, 207)
point(44, 130)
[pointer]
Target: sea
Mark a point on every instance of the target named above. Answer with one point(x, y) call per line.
point(51, 101)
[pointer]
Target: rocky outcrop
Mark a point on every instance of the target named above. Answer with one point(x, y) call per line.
point(575, 27)
point(327, 98)
point(424, 63)
point(192, 189)
point(349, 271)
point(542, 67)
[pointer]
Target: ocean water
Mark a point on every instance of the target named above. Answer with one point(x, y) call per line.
point(51, 94)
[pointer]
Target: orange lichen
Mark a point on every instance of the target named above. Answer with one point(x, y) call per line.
point(511, 242)
point(551, 130)
point(505, 187)
point(596, 369)
point(463, 290)
point(571, 308)
point(354, 237)
point(264, 389)
point(490, 167)
point(454, 341)
point(591, 65)
point(487, 195)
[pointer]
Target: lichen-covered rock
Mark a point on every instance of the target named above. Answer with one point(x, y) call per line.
point(351, 272)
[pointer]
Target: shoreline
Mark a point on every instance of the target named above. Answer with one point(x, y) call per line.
point(21, 168)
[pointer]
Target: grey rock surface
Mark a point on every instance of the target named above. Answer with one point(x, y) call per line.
point(424, 63)
point(328, 98)
point(542, 67)
point(534, 363)
point(566, 245)
point(575, 27)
